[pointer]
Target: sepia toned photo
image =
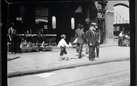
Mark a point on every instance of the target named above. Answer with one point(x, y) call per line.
point(68, 43)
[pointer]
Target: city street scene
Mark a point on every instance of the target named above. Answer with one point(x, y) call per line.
point(68, 43)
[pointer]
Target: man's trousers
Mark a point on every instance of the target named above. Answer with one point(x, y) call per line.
point(79, 49)
point(91, 52)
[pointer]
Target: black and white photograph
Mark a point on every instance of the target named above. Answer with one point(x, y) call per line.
point(68, 43)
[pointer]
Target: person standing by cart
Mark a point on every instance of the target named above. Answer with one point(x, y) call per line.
point(120, 36)
point(13, 38)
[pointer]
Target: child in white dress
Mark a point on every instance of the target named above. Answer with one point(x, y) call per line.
point(62, 44)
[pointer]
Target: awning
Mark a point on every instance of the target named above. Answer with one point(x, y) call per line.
point(45, 1)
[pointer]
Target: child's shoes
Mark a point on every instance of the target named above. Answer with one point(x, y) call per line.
point(67, 59)
point(60, 59)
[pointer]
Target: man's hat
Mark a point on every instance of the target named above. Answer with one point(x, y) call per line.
point(87, 20)
point(93, 24)
point(79, 25)
point(82, 26)
point(12, 23)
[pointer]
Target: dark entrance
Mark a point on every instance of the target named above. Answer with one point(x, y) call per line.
point(64, 11)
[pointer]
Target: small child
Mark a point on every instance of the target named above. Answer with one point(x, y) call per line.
point(23, 44)
point(43, 44)
point(62, 44)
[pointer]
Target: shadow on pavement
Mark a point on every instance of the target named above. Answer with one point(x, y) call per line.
point(73, 58)
point(10, 59)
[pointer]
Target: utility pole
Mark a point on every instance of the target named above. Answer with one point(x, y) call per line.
point(101, 19)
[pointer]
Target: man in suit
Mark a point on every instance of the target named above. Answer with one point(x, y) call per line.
point(80, 40)
point(76, 34)
point(91, 41)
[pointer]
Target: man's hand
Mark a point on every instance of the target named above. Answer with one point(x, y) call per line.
point(90, 44)
point(70, 45)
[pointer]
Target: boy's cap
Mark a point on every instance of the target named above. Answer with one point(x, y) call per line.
point(12, 24)
point(82, 26)
point(63, 36)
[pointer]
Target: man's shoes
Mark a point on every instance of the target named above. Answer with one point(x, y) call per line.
point(67, 59)
point(91, 59)
point(86, 52)
point(97, 56)
point(80, 57)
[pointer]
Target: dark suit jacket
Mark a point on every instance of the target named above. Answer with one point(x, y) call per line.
point(90, 37)
point(80, 35)
point(97, 36)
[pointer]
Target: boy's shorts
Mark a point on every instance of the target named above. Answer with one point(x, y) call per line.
point(63, 50)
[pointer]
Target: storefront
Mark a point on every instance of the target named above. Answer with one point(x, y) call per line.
point(47, 20)
point(119, 27)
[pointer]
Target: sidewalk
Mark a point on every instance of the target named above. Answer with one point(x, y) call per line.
point(37, 62)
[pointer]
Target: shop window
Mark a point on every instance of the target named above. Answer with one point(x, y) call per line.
point(53, 22)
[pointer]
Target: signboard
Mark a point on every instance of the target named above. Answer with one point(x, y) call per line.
point(37, 20)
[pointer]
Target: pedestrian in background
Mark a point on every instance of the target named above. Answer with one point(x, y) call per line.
point(80, 35)
point(126, 40)
point(23, 44)
point(62, 44)
point(91, 41)
point(120, 36)
point(97, 33)
point(88, 22)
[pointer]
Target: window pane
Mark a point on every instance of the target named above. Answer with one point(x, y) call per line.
point(72, 23)
point(53, 22)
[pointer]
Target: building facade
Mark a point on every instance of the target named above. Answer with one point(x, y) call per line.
point(50, 18)
point(117, 17)
point(53, 18)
